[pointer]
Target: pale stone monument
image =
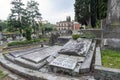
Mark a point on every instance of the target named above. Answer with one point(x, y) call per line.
point(112, 25)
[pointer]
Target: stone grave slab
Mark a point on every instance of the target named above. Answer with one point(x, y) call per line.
point(23, 52)
point(78, 47)
point(64, 61)
point(42, 54)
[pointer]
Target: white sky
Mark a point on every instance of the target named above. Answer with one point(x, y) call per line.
point(51, 10)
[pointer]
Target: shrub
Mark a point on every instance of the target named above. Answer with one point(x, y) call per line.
point(18, 43)
point(75, 36)
point(28, 34)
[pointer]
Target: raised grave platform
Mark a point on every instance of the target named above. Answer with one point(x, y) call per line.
point(33, 58)
point(73, 58)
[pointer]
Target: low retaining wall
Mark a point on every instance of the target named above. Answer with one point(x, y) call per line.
point(96, 32)
point(111, 31)
point(103, 73)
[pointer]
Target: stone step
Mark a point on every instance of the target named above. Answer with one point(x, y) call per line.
point(27, 64)
point(22, 62)
point(9, 57)
point(31, 74)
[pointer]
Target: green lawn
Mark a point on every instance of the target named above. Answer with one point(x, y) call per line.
point(111, 59)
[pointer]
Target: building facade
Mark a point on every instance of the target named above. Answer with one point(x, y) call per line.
point(76, 26)
point(65, 25)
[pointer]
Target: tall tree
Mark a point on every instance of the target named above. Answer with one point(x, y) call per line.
point(97, 9)
point(16, 15)
point(93, 9)
point(68, 18)
point(33, 13)
point(3, 25)
point(102, 9)
point(82, 11)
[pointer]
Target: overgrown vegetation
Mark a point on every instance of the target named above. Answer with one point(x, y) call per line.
point(2, 75)
point(28, 34)
point(111, 58)
point(75, 36)
point(87, 35)
point(19, 43)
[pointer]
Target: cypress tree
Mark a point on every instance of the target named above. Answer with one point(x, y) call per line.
point(82, 13)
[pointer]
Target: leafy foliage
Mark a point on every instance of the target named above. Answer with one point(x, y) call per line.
point(97, 9)
point(46, 28)
point(3, 25)
point(93, 13)
point(88, 35)
point(102, 9)
point(82, 12)
point(2, 75)
point(16, 15)
point(68, 18)
point(33, 13)
point(18, 43)
point(28, 34)
point(23, 19)
point(75, 36)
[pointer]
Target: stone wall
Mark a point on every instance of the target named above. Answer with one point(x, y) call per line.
point(102, 73)
point(112, 31)
point(96, 32)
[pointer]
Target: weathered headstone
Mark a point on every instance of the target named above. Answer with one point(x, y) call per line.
point(64, 62)
point(78, 47)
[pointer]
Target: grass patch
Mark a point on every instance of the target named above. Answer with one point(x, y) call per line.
point(2, 75)
point(19, 43)
point(111, 58)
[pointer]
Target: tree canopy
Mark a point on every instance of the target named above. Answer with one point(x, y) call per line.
point(82, 12)
point(16, 14)
point(24, 18)
point(90, 10)
point(68, 18)
point(33, 13)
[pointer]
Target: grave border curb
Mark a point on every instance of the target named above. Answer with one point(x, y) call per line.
point(104, 73)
